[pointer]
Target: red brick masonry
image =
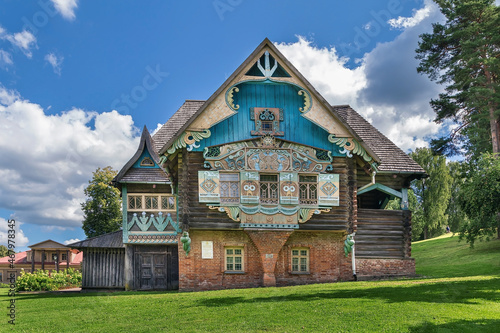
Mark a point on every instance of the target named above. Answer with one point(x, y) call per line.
point(385, 267)
point(327, 262)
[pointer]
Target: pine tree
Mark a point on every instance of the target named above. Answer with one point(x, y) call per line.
point(464, 55)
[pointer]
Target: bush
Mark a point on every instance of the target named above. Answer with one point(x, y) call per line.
point(4, 285)
point(43, 280)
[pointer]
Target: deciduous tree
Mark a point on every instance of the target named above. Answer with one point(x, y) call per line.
point(432, 193)
point(102, 208)
point(480, 199)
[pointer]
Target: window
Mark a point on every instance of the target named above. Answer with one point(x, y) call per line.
point(167, 203)
point(300, 260)
point(44, 255)
point(234, 259)
point(308, 190)
point(151, 202)
point(146, 161)
point(54, 257)
point(64, 257)
point(1, 276)
point(267, 121)
point(269, 189)
point(229, 188)
point(134, 202)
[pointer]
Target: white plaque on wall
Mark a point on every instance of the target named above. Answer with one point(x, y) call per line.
point(207, 250)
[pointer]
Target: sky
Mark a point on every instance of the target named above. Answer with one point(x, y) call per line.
point(79, 79)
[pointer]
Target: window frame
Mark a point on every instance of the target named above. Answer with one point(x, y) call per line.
point(237, 198)
point(300, 256)
point(158, 196)
point(308, 200)
point(233, 256)
point(276, 190)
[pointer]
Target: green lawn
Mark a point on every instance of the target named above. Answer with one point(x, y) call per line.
point(468, 301)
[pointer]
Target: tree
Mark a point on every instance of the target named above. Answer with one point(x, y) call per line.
point(4, 251)
point(102, 208)
point(480, 199)
point(464, 55)
point(456, 215)
point(432, 194)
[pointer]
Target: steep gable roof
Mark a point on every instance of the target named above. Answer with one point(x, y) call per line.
point(172, 127)
point(392, 158)
point(168, 135)
point(130, 174)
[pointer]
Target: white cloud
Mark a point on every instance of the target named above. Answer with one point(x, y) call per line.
point(158, 126)
point(50, 158)
point(66, 8)
point(24, 40)
point(5, 58)
point(326, 70)
point(55, 62)
point(385, 87)
point(70, 241)
point(417, 17)
point(20, 239)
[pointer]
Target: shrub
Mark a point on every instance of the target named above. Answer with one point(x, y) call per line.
point(43, 280)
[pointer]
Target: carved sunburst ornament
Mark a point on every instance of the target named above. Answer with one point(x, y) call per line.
point(268, 141)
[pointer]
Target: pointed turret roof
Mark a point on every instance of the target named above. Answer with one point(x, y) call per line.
point(131, 174)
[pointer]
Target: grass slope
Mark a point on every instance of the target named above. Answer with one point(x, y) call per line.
point(445, 256)
point(466, 302)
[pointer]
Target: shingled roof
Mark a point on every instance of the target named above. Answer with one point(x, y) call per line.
point(175, 123)
point(109, 240)
point(130, 174)
point(392, 158)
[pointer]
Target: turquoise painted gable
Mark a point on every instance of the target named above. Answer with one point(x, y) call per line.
point(145, 154)
point(269, 94)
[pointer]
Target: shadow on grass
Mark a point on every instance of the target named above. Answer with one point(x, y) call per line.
point(486, 325)
point(464, 292)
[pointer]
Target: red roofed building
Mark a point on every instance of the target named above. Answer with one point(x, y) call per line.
point(49, 255)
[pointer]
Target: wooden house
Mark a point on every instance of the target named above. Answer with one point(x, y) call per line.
point(259, 186)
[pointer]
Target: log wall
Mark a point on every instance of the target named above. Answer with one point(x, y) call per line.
point(383, 234)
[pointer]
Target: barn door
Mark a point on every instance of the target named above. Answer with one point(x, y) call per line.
point(157, 268)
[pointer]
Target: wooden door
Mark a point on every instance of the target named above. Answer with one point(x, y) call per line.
point(156, 268)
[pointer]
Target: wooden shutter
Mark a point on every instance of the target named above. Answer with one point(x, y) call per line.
point(250, 192)
point(208, 186)
point(328, 190)
point(289, 188)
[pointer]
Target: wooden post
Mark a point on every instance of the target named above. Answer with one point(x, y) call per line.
point(129, 267)
point(57, 261)
point(33, 260)
point(43, 259)
point(67, 259)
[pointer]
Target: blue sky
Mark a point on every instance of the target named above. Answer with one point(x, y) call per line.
point(79, 78)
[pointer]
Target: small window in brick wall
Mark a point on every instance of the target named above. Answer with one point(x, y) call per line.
point(233, 259)
point(300, 260)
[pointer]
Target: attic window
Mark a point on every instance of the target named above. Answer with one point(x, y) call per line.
point(146, 161)
point(267, 121)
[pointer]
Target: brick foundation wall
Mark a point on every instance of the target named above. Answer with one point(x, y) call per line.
point(373, 268)
point(326, 257)
point(196, 273)
point(327, 262)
